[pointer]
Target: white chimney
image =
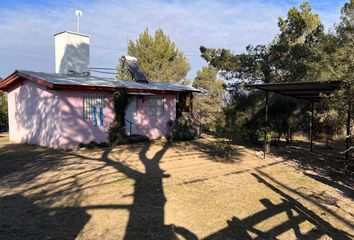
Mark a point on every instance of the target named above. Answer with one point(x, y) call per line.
point(72, 53)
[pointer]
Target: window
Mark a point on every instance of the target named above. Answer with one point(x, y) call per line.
point(156, 106)
point(93, 107)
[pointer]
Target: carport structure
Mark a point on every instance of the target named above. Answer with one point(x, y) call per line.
point(310, 91)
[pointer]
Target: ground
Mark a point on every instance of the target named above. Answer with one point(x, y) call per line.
point(184, 190)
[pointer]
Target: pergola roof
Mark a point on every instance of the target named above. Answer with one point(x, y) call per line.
point(312, 91)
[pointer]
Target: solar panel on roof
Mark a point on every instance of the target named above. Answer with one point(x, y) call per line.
point(132, 66)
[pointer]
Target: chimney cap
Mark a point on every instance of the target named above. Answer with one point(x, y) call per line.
point(70, 32)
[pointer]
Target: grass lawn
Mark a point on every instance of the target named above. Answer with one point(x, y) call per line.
point(183, 190)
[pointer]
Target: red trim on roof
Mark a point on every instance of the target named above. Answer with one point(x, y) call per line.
point(4, 84)
point(16, 76)
point(37, 80)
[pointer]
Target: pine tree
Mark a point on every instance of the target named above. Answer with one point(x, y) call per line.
point(158, 57)
point(210, 102)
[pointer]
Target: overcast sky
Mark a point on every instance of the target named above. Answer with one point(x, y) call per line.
point(27, 27)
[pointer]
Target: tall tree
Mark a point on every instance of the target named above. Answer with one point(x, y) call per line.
point(292, 50)
point(158, 57)
point(251, 66)
point(210, 101)
point(343, 57)
point(338, 64)
point(289, 57)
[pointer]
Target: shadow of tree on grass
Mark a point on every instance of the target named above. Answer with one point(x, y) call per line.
point(21, 218)
point(30, 220)
point(296, 213)
point(146, 214)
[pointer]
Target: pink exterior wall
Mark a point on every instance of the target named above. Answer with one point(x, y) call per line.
point(55, 118)
point(151, 126)
point(34, 115)
point(75, 129)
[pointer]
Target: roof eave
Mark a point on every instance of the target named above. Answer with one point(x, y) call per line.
point(4, 84)
point(17, 75)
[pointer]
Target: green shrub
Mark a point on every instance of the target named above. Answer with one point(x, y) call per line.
point(117, 134)
point(183, 129)
point(223, 147)
point(270, 134)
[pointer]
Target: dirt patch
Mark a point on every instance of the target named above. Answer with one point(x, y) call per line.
point(181, 190)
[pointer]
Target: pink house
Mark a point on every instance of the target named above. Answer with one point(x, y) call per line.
point(63, 109)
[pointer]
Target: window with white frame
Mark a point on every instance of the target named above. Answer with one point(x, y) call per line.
point(93, 107)
point(156, 106)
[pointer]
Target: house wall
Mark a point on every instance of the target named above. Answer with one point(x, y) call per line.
point(34, 115)
point(151, 126)
point(76, 129)
point(55, 118)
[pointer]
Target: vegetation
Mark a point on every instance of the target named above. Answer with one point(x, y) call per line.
point(302, 51)
point(117, 134)
point(4, 125)
point(183, 129)
point(208, 104)
point(158, 57)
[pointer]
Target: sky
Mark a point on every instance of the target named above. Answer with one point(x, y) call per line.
point(27, 27)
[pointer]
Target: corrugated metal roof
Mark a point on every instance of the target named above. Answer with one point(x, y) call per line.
point(303, 83)
point(312, 91)
point(80, 80)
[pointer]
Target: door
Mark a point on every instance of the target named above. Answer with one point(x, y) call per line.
point(130, 116)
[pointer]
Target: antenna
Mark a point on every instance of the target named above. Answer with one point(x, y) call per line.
point(78, 14)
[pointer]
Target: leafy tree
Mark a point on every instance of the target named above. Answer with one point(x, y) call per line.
point(158, 57)
point(287, 58)
point(208, 104)
point(253, 65)
point(290, 57)
point(342, 59)
point(338, 64)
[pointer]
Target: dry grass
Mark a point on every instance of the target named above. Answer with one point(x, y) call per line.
point(172, 191)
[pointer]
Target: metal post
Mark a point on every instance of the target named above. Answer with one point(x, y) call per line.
point(78, 24)
point(311, 126)
point(348, 138)
point(265, 126)
point(78, 14)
